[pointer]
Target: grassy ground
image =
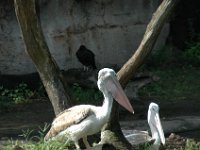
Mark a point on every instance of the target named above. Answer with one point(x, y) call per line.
point(179, 80)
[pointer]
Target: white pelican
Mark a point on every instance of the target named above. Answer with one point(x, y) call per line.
point(80, 121)
point(157, 137)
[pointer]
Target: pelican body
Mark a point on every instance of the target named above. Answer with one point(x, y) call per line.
point(139, 137)
point(80, 121)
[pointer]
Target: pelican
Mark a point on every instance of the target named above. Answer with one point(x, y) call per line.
point(157, 137)
point(80, 121)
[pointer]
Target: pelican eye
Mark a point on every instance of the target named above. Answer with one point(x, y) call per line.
point(155, 109)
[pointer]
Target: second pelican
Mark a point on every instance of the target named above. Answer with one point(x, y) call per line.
point(139, 137)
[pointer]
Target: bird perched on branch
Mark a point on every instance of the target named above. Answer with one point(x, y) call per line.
point(86, 57)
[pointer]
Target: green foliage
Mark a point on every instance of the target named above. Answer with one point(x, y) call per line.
point(17, 96)
point(191, 144)
point(170, 57)
point(84, 95)
point(178, 72)
point(21, 94)
point(145, 146)
point(174, 84)
point(26, 134)
point(192, 53)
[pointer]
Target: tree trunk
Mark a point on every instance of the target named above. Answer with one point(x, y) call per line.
point(38, 51)
point(112, 133)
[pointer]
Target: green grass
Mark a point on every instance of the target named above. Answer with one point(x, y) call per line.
point(36, 142)
point(41, 145)
point(190, 145)
point(57, 145)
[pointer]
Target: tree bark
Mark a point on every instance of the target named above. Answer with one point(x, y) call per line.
point(112, 133)
point(38, 51)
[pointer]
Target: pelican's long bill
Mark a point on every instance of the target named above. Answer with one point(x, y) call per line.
point(159, 128)
point(118, 94)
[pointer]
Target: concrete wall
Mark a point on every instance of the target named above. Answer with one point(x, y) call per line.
point(112, 29)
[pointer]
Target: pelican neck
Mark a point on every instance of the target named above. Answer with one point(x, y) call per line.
point(107, 103)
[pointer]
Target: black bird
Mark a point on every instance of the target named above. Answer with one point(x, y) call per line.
point(86, 57)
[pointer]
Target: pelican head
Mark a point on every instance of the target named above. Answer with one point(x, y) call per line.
point(108, 84)
point(155, 126)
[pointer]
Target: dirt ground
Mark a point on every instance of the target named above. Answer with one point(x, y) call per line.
point(33, 115)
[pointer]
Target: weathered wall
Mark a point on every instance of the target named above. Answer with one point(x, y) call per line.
point(112, 30)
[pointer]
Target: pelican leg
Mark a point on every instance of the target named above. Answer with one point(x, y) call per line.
point(85, 68)
point(77, 145)
point(85, 141)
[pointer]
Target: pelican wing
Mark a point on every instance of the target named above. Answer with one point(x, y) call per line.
point(68, 118)
point(138, 137)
